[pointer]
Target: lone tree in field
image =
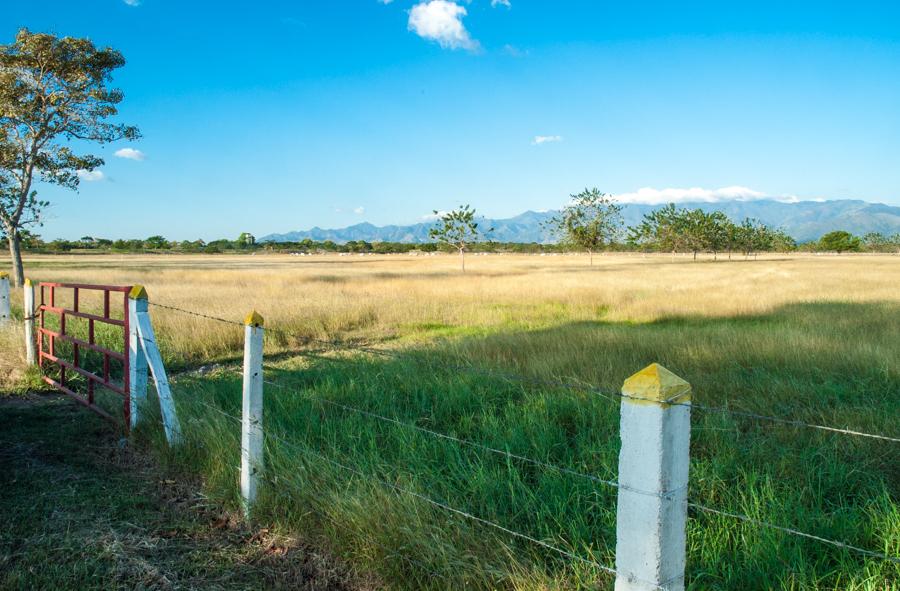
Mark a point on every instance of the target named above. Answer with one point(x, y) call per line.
point(54, 97)
point(458, 229)
point(591, 221)
point(839, 241)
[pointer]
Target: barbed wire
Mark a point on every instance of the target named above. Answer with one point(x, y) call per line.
point(761, 523)
point(441, 505)
point(694, 505)
point(474, 444)
point(611, 396)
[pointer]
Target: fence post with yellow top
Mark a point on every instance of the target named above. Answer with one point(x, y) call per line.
point(655, 429)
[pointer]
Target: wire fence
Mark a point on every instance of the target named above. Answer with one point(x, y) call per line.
point(343, 347)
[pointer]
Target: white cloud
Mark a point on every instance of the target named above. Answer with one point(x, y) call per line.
point(651, 196)
point(385, 1)
point(544, 139)
point(130, 154)
point(441, 21)
point(132, 2)
point(433, 216)
point(91, 176)
point(359, 210)
point(505, 3)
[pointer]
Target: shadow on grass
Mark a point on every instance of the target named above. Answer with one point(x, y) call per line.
point(830, 363)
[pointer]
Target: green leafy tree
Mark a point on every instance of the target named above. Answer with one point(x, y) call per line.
point(876, 242)
point(783, 242)
point(54, 92)
point(246, 240)
point(717, 232)
point(592, 221)
point(156, 243)
point(659, 230)
point(457, 229)
point(752, 236)
point(839, 241)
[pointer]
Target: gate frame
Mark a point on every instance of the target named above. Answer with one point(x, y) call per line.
point(50, 354)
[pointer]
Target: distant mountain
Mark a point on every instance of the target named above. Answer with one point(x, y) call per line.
point(804, 220)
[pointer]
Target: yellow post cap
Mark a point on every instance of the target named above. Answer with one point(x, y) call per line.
point(4, 275)
point(656, 384)
point(254, 319)
point(28, 282)
point(138, 293)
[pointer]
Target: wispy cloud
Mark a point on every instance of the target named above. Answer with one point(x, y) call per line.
point(513, 51)
point(505, 3)
point(359, 210)
point(441, 21)
point(130, 154)
point(385, 1)
point(91, 176)
point(651, 196)
point(545, 139)
point(132, 2)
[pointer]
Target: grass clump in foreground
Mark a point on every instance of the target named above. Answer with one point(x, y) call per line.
point(831, 363)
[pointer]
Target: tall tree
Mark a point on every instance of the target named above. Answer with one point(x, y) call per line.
point(54, 98)
point(592, 221)
point(457, 228)
point(659, 230)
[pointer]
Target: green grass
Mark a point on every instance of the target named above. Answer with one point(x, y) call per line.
point(79, 511)
point(824, 363)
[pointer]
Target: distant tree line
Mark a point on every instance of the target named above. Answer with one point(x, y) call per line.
point(746, 238)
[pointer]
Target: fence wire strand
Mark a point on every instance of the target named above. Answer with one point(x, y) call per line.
point(697, 506)
point(444, 506)
point(611, 396)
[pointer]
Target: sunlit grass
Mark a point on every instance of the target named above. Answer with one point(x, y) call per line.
point(808, 338)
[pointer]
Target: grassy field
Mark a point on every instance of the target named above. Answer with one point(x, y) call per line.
point(806, 337)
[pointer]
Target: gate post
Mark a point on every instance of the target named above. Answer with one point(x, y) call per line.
point(653, 481)
point(252, 410)
point(4, 298)
point(137, 358)
point(28, 300)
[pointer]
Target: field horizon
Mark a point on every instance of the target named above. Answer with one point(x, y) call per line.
point(810, 338)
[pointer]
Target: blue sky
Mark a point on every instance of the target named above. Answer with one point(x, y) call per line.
point(274, 116)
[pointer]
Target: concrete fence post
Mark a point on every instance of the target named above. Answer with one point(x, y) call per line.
point(252, 410)
point(4, 298)
point(29, 310)
point(653, 481)
point(138, 370)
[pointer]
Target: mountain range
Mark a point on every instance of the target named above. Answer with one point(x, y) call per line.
point(803, 220)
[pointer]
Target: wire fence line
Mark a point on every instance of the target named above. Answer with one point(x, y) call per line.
point(697, 506)
point(562, 384)
point(532, 461)
point(438, 504)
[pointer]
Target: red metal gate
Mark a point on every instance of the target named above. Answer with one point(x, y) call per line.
point(48, 339)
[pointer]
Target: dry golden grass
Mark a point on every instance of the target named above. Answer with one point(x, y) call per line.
point(811, 338)
point(389, 296)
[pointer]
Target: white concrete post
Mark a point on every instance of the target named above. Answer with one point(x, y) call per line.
point(653, 481)
point(4, 298)
point(252, 410)
point(137, 359)
point(29, 310)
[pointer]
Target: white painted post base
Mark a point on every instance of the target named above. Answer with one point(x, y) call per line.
point(146, 354)
point(252, 410)
point(4, 298)
point(653, 481)
point(29, 311)
point(137, 360)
